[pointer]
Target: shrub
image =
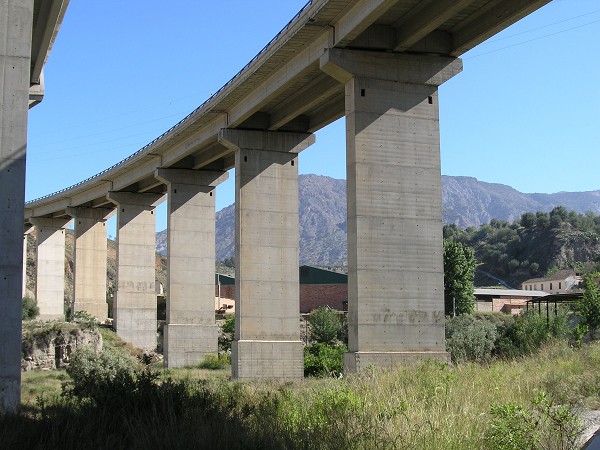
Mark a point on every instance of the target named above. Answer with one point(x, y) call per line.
point(215, 362)
point(85, 319)
point(322, 360)
point(325, 325)
point(227, 333)
point(528, 332)
point(30, 308)
point(469, 338)
point(542, 425)
point(102, 377)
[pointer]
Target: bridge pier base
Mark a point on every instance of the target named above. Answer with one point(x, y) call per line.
point(267, 336)
point(89, 286)
point(50, 267)
point(134, 304)
point(190, 332)
point(395, 264)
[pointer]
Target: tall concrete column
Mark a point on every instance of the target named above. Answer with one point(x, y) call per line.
point(90, 261)
point(395, 266)
point(190, 331)
point(50, 267)
point(134, 307)
point(26, 233)
point(267, 335)
point(15, 56)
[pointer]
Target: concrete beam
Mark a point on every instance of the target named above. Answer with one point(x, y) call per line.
point(489, 20)
point(419, 25)
point(344, 65)
point(15, 56)
point(267, 336)
point(50, 282)
point(134, 307)
point(395, 268)
point(90, 261)
point(190, 332)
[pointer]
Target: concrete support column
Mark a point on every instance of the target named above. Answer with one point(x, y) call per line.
point(134, 307)
point(90, 261)
point(28, 230)
point(50, 266)
point(15, 56)
point(395, 265)
point(267, 336)
point(190, 331)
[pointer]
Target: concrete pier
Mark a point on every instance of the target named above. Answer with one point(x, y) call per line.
point(15, 57)
point(90, 261)
point(50, 266)
point(190, 332)
point(267, 336)
point(134, 307)
point(395, 266)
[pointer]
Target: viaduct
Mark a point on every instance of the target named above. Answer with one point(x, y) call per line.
point(378, 63)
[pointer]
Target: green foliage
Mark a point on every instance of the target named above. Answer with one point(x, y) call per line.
point(215, 362)
point(227, 333)
point(325, 325)
point(459, 273)
point(532, 245)
point(85, 319)
point(30, 308)
point(470, 339)
point(528, 332)
point(100, 376)
point(543, 425)
point(322, 360)
point(588, 308)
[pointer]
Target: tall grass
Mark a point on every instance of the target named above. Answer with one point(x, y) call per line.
point(426, 406)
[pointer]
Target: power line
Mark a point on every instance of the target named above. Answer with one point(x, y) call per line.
point(532, 40)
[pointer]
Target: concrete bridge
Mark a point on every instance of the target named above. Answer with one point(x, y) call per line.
point(376, 62)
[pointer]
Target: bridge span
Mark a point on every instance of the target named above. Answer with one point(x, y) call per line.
point(376, 62)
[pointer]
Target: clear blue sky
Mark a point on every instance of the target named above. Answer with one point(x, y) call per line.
point(525, 111)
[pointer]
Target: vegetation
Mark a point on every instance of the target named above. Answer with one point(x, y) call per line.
point(30, 308)
point(459, 273)
point(325, 325)
point(328, 333)
point(227, 333)
point(533, 245)
point(588, 308)
point(425, 406)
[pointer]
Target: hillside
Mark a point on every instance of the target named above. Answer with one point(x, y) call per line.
point(532, 245)
point(466, 202)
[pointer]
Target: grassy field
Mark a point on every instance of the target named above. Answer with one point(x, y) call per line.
point(426, 406)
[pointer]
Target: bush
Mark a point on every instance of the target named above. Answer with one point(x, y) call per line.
point(469, 338)
point(528, 332)
point(85, 319)
point(322, 360)
point(227, 333)
point(102, 377)
point(30, 308)
point(325, 325)
point(215, 362)
point(543, 425)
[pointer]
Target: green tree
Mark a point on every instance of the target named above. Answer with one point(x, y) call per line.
point(589, 306)
point(325, 325)
point(459, 273)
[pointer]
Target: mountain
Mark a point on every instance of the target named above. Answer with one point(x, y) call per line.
point(466, 202)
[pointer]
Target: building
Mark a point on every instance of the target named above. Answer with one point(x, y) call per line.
point(561, 282)
point(318, 287)
point(510, 301)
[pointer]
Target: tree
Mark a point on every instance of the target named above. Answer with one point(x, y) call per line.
point(459, 273)
point(325, 325)
point(589, 306)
